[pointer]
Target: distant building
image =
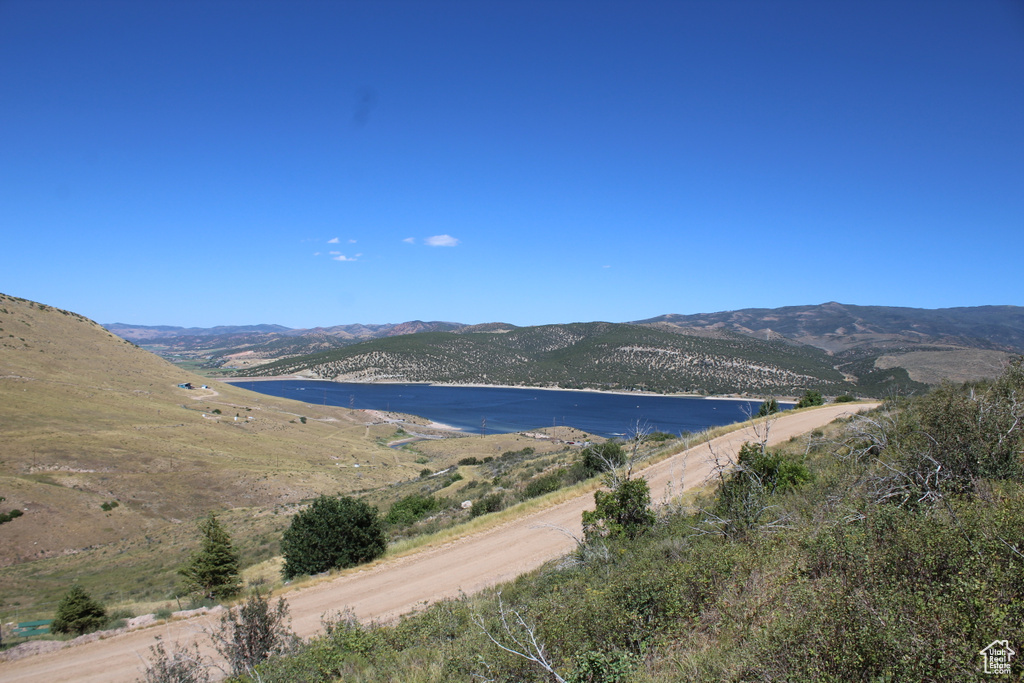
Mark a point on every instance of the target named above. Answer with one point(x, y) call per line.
point(185, 385)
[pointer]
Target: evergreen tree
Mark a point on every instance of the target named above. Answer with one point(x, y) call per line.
point(769, 407)
point(213, 569)
point(810, 398)
point(78, 613)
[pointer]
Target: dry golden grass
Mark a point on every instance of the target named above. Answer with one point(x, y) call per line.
point(953, 364)
point(87, 418)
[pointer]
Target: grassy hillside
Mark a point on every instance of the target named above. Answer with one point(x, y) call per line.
point(580, 355)
point(889, 547)
point(88, 419)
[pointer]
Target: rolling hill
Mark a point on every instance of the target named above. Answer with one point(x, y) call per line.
point(839, 327)
point(875, 348)
point(88, 420)
point(582, 355)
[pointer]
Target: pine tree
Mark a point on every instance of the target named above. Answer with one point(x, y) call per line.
point(769, 407)
point(213, 569)
point(78, 613)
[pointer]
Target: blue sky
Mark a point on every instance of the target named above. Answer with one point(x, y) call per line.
point(320, 163)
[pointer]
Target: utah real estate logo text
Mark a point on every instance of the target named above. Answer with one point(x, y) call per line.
point(997, 657)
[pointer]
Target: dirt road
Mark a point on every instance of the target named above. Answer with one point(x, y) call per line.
point(404, 584)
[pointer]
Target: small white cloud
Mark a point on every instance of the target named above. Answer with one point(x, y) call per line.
point(342, 257)
point(351, 241)
point(606, 266)
point(333, 241)
point(410, 240)
point(442, 241)
point(335, 253)
point(316, 253)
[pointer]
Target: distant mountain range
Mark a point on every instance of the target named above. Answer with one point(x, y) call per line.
point(838, 327)
point(834, 347)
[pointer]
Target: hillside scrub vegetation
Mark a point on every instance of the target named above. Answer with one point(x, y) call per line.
point(332, 533)
point(888, 547)
point(602, 356)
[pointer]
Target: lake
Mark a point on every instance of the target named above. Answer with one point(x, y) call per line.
point(498, 409)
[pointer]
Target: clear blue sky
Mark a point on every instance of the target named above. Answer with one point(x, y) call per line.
point(319, 163)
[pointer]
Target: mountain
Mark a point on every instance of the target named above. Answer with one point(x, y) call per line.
point(839, 327)
point(866, 342)
point(612, 356)
point(246, 345)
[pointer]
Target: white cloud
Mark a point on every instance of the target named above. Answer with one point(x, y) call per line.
point(351, 241)
point(442, 241)
point(342, 257)
point(316, 253)
point(333, 241)
point(410, 240)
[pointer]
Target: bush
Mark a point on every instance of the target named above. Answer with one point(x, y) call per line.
point(602, 667)
point(490, 503)
point(845, 398)
point(411, 509)
point(253, 632)
point(180, 665)
point(77, 613)
point(602, 457)
point(11, 516)
point(332, 533)
point(546, 484)
point(741, 500)
point(623, 511)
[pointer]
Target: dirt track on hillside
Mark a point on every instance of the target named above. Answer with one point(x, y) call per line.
point(404, 584)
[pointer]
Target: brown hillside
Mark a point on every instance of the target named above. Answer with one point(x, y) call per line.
point(87, 418)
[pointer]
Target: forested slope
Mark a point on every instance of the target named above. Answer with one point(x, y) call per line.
point(582, 355)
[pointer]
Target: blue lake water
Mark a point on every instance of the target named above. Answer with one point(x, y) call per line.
point(497, 409)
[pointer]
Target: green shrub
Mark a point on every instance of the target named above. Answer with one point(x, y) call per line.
point(490, 503)
point(602, 667)
point(11, 516)
point(332, 533)
point(545, 484)
point(601, 457)
point(411, 509)
point(623, 511)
